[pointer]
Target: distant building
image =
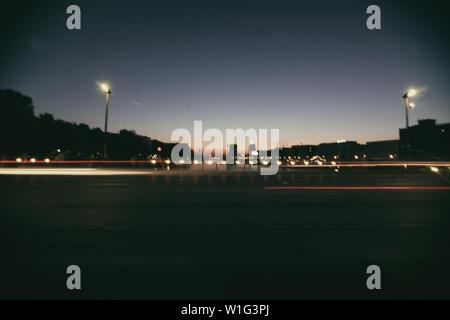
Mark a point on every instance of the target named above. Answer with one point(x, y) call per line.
point(304, 151)
point(232, 152)
point(382, 150)
point(346, 151)
point(425, 141)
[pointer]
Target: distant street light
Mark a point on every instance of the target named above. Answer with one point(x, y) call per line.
point(107, 91)
point(434, 169)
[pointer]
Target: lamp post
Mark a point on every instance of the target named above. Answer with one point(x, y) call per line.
point(411, 93)
point(107, 91)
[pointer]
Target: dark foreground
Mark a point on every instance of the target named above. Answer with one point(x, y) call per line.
point(214, 235)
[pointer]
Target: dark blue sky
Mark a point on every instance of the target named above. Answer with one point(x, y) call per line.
point(310, 68)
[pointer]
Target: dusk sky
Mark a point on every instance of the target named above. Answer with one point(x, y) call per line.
point(310, 68)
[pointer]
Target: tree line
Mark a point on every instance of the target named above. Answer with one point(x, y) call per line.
point(25, 134)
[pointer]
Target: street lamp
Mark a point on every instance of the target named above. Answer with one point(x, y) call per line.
point(107, 91)
point(411, 93)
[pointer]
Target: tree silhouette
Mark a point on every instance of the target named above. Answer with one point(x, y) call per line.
point(23, 133)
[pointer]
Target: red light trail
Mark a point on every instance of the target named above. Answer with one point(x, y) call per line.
point(360, 188)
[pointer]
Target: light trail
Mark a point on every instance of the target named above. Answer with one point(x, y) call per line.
point(52, 168)
point(77, 161)
point(381, 164)
point(360, 188)
point(311, 165)
point(70, 172)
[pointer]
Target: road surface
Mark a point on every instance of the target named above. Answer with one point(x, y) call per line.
point(218, 235)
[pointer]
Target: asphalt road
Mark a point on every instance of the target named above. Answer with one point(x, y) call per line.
point(218, 235)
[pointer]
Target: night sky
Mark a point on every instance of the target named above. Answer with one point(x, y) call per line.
point(310, 68)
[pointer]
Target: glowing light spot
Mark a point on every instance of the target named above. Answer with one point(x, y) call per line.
point(104, 87)
point(434, 169)
point(412, 93)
